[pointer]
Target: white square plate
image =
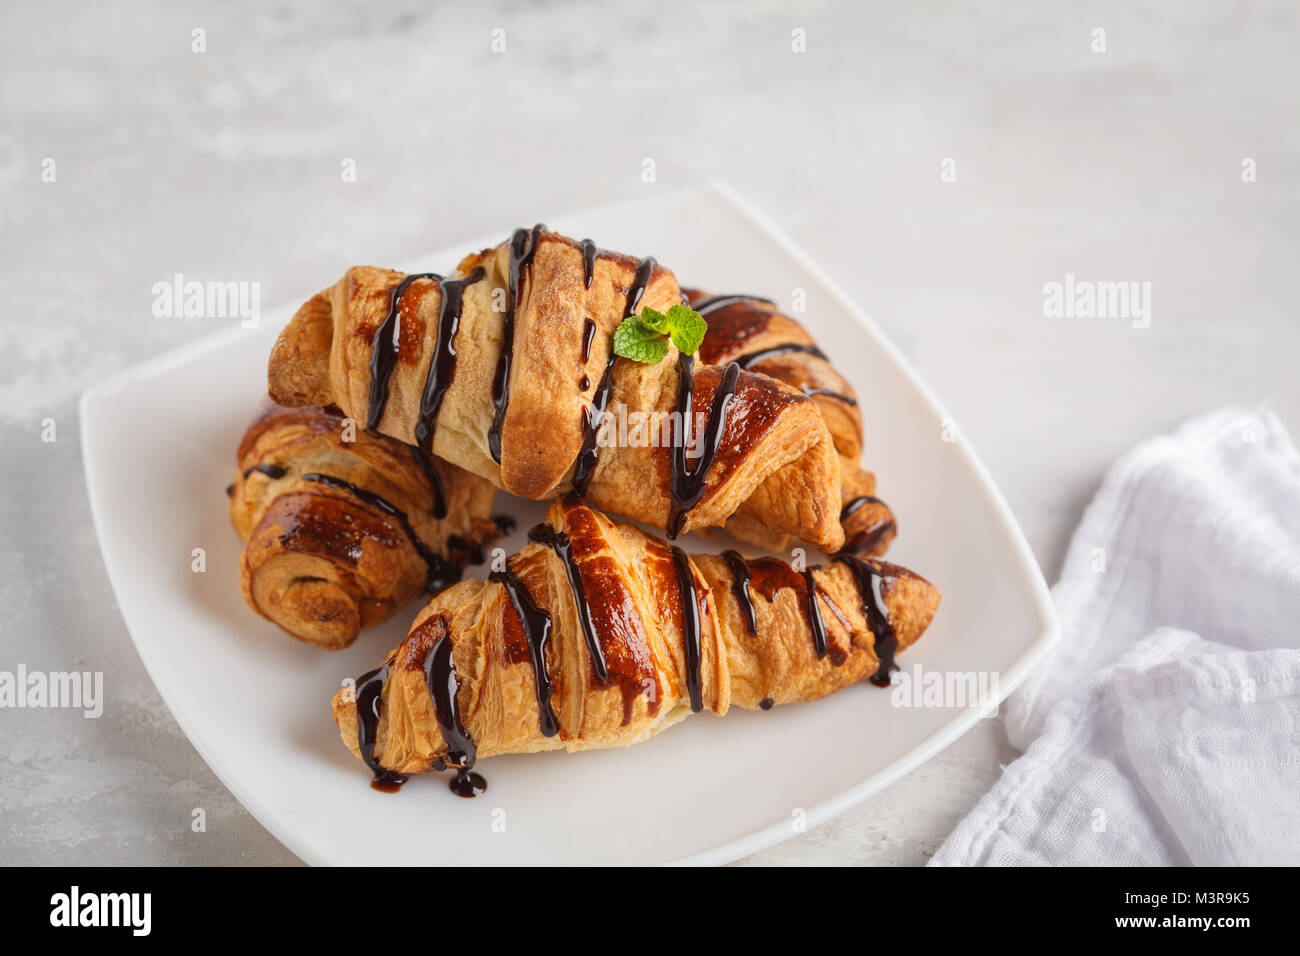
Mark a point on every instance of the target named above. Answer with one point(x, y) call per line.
point(159, 443)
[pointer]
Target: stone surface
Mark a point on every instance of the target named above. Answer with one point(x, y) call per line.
point(1122, 165)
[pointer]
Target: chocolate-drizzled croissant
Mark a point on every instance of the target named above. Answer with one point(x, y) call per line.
point(340, 533)
point(600, 635)
point(506, 369)
point(752, 332)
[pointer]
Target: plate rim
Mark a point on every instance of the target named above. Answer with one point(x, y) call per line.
point(728, 851)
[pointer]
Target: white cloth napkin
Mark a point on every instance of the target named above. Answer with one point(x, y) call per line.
point(1165, 726)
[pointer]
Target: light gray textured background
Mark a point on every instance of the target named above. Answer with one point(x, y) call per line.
point(225, 165)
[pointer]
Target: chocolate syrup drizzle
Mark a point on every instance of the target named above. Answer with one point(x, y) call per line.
point(536, 624)
point(560, 543)
point(440, 675)
point(473, 552)
point(776, 351)
point(870, 581)
point(644, 270)
point(271, 471)
point(440, 573)
point(588, 333)
point(740, 578)
point(384, 352)
point(369, 688)
point(867, 538)
point(712, 303)
point(812, 390)
point(589, 253)
point(442, 368)
point(815, 622)
point(852, 506)
point(384, 349)
point(866, 576)
point(585, 464)
point(688, 484)
point(523, 247)
point(690, 603)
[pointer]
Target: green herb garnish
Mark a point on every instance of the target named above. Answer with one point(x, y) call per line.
point(644, 337)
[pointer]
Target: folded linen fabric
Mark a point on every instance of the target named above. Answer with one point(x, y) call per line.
point(1165, 727)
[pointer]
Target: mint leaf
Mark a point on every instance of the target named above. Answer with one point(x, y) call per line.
point(688, 328)
point(644, 337)
point(654, 319)
point(635, 340)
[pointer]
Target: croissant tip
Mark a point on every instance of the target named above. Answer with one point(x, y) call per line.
point(312, 610)
point(343, 708)
point(298, 368)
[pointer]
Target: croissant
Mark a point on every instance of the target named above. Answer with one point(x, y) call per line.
point(752, 332)
point(597, 634)
point(506, 369)
point(339, 534)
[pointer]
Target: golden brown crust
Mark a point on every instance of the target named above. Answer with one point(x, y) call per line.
point(746, 326)
point(630, 583)
point(869, 524)
point(546, 397)
point(781, 451)
point(322, 562)
point(756, 333)
point(299, 377)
